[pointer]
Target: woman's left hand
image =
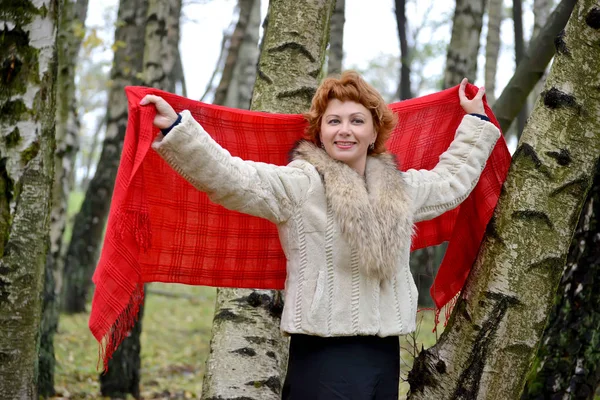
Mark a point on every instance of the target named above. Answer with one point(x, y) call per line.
point(475, 105)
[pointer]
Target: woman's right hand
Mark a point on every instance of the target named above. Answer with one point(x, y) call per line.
point(165, 115)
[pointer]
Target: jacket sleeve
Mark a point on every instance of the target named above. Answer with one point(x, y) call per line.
point(450, 182)
point(259, 189)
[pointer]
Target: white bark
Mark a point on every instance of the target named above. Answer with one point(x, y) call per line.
point(486, 350)
point(248, 353)
point(27, 37)
point(461, 60)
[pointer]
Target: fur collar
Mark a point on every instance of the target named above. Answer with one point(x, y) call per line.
point(373, 213)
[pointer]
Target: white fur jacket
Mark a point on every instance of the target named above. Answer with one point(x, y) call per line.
point(347, 239)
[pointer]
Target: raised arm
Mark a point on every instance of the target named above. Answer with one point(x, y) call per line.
point(254, 188)
point(450, 182)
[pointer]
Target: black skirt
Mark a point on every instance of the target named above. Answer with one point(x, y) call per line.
point(342, 368)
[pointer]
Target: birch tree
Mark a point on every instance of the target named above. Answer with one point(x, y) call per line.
point(27, 100)
point(88, 227)
point(160, 58)
point(235, 44)
point(532, 67)
point(491, 338)
point(248, 354)
point(70, 35)
point(567, 365)
point(404, 89)
point(492, 48)
point(519, 54)
point(461, 60)
point(336, 39)
point(239, 91)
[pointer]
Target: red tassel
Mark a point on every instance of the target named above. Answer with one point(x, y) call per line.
point(122, 326)
point(138, 223)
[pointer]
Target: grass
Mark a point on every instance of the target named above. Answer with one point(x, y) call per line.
point(175, 343)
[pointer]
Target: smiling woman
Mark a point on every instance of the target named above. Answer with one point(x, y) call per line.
point(347, 133)
point(345, 217)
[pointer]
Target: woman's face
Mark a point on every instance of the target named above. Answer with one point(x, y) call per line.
point(347, 131)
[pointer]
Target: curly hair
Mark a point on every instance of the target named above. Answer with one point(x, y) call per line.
point(350, 86)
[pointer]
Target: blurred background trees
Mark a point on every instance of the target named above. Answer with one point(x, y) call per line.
point(209, 50)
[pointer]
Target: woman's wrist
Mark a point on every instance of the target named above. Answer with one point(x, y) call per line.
point(173, 125)
point(481, 116)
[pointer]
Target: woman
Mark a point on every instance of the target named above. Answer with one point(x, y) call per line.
point(345, 217)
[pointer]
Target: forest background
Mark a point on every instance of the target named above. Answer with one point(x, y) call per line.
point(209, 50)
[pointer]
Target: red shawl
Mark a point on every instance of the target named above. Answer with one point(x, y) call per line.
point(161, 229)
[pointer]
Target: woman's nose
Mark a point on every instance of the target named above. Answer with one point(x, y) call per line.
point(345, 128)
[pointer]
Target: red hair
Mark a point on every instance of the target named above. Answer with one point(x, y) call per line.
point(350, 86)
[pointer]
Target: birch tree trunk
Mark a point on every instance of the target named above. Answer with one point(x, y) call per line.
point(27, 100)
point(88, 227)
point(461, 60)
point(486, 350)
point(160, 60)
point(532, 67)
point(567, 365)
point(239, 92)
point(404, 89)
point(248, 354)
point(519, 53)
point(235, 43)
point(70, 35)
point(336, 39)
point(541, 11)
point(492, 48)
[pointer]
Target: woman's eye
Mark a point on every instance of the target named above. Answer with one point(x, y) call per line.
point(334, 121)
point(358, 121)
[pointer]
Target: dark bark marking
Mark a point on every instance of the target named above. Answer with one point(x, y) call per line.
point(245, 351)
point(491, 230)
point(231, 398)
point(264, 76)
point(550, 264)
point(532, 214)
point(468, 382)
point(562, 157)
point(305, 91)
point(293, 46)
point(420, 376)
point(256, 299)
point(593, 18)
point(561, 45)
point(273, 383)
point(440, 367)
point(527, 151)
point(227, 315)
point(273, 304)
point(576, 188)
point(260, 340)
point(314, 73)
point(555, 98)
point(272, 355)
point(13, 138)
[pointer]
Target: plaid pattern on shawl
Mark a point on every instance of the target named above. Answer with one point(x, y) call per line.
point(161, 229)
